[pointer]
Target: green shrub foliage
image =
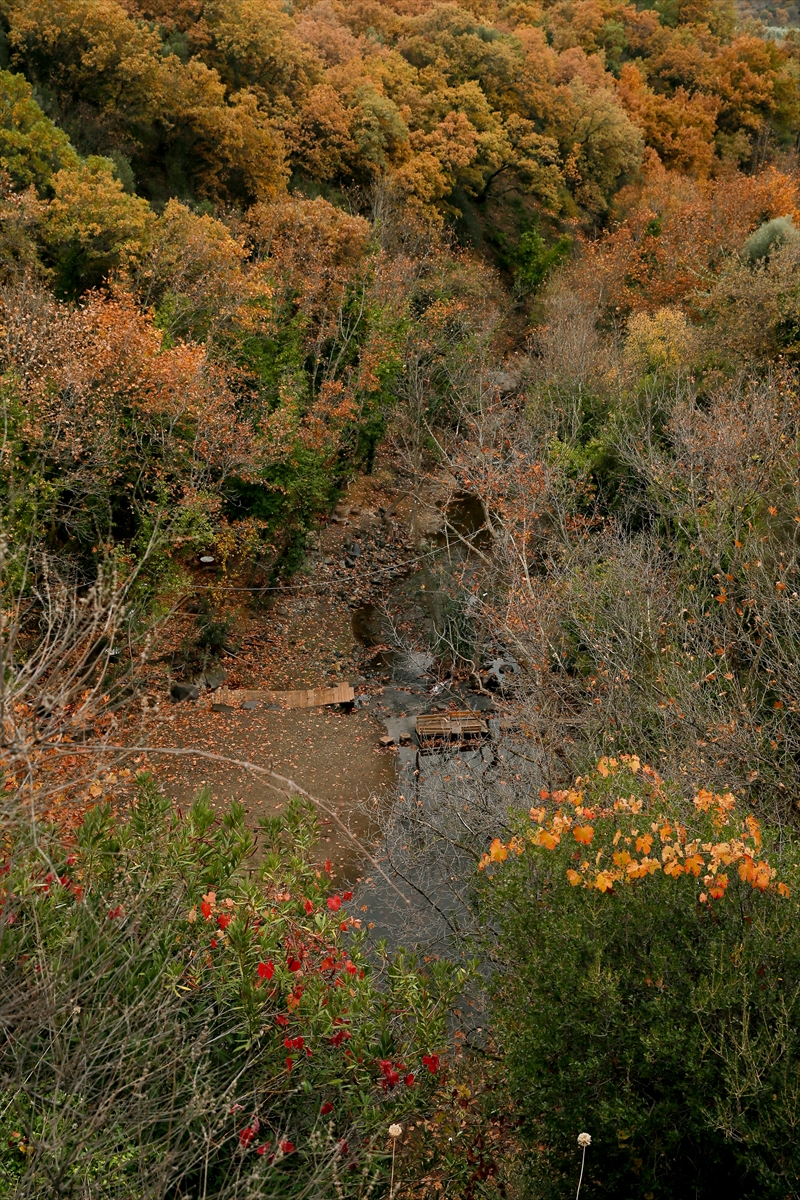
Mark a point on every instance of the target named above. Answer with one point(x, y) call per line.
point(648, 992)
point(183, 1017)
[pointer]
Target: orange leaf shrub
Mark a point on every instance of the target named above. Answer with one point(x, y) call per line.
point(648, 831)
point(646, 988)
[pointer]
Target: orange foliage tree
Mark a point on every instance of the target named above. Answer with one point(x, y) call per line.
point(216, 99)
point(674, 234)
point(109, 423)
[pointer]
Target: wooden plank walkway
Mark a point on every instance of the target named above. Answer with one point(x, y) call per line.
point(343, 693)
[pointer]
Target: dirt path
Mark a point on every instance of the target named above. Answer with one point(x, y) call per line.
point(331, 754)
point(303, 637)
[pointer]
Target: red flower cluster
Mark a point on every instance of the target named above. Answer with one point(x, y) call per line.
point(391, 1074)
point(247, 1134)
point(49, 879)
point(431, 1061)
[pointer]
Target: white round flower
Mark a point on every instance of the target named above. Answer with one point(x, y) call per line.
point(584, 1139)
point(395, 1131)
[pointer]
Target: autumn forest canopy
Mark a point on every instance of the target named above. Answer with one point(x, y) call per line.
point(240, 194)
point(538, 262)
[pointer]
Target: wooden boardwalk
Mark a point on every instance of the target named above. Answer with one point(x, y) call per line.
point(343, 693)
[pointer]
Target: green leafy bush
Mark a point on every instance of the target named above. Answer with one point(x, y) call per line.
point(181, 1018)
point(32, 148)
point(649, 992)
point(768, 237)
point(534, 260)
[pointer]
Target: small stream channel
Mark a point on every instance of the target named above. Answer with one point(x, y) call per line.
point(414, 686)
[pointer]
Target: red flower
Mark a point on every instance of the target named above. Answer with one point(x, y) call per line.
point(262, 1149)
point(287, 1147)
point(308, 906)
point(71, 860)
point(294, 964)
point(115, 912)
point(288, 1064)
point(213, 943)
point(334, 903)
point(246, 1136)
point(343, 926)
point(347, 895)
point(431, 1061)
point(326, 1108)
point(351, 968)
point(281, 1019)
point(265, 970)
point(342, 1147)
point(390, 1076)
point(327, 964)
point(224, 920)
point(409, 1080)
point(205, 909)
point(328, 866)
point(340, 1036)
point(298, 1043)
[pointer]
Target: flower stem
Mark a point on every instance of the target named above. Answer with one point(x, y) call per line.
point(391, 1181)
point(580, 1181)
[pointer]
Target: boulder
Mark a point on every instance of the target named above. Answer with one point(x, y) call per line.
point(213, 679)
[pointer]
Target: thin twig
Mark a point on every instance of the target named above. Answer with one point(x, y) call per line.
point(289, 788)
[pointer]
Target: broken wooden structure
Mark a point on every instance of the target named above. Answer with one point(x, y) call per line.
point(459, 727)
